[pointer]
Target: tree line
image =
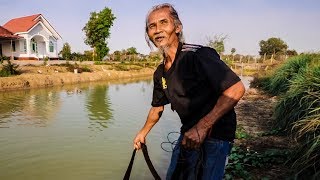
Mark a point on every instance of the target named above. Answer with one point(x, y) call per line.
point(97, 31)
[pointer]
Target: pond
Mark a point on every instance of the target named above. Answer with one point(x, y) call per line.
point(81, 131)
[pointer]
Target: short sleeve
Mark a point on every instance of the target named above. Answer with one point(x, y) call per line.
point(159, 97)
point(219, 75)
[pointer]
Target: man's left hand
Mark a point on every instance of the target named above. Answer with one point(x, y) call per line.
point(193, 138)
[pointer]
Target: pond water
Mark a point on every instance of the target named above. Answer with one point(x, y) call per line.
point(81, 131)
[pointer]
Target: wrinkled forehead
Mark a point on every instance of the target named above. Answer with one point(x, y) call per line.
point(159, 14)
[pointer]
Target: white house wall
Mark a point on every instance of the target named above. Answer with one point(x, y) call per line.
point(39, 30)
point(6, 49)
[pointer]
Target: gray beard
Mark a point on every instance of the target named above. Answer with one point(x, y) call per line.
point(164, 50)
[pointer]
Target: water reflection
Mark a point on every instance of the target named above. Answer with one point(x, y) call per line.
point(98, 105)
point(27, 108)
point(66, 148)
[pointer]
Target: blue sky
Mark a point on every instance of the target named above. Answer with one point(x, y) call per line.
point(245, 22)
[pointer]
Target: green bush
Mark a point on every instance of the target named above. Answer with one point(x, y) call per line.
point(72, 67)
point(45, 60)
point(2, 58)
point(85, 69)
point(9, 69)
point(242, 161)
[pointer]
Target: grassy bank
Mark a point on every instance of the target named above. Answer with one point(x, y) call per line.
point(37, 76)
point(297, 113)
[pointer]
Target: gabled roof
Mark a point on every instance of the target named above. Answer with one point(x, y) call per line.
point(6, 34)
point(27, 23)
point(22, 24)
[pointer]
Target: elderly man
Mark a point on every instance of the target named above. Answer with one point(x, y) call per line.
point(201, 89)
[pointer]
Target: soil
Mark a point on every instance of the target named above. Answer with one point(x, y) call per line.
point(254, 115)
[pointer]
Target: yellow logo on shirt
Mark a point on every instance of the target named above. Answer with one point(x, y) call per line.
point(164, 83)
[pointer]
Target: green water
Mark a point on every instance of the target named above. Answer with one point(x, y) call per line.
point(80, 132)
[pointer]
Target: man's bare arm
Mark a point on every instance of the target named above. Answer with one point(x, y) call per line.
point(229, 98)
point(153, 117)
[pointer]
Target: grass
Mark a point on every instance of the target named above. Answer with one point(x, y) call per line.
point(297, 83)
point(279, 82)
point(306, 126)
point(301, 97)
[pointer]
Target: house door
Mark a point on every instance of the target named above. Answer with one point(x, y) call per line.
point(0, 50)
point(34, 46)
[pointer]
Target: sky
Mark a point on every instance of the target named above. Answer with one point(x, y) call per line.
point(245, 22)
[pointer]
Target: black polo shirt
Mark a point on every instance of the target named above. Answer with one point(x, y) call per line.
point(193, 85)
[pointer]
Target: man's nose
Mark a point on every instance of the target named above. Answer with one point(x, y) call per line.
point(158, 29)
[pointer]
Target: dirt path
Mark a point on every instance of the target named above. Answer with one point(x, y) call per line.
point(254, 114)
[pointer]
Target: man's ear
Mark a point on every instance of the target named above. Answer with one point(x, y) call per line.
point(178, 29)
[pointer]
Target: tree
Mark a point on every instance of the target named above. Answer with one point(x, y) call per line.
point(217, 43)
point(117, 55)
point(292, 52)
point(66, 51)
point(88, 55)
point(97, 31)
point(233, 50)
point(274, 46)
point(132, 50)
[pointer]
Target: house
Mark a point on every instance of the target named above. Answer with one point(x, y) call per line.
point(29, 38)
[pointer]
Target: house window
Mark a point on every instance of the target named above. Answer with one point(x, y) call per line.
point(13, 46)
point(51, 47)
point(34, 46)
point(23, 46)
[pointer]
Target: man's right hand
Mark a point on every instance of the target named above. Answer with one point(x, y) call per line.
point(140, 138)
point(153, 117)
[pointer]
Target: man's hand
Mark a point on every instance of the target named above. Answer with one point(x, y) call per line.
point(153, 117)
point(193, 138)
point(140, 138)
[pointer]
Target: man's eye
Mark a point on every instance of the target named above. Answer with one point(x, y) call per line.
point(164, 22)
point(151, 26)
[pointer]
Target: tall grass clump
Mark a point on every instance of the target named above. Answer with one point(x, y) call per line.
point(298, 112)
point(306, 123)
point(279, 82)
point(297, 84)
point(296, 102)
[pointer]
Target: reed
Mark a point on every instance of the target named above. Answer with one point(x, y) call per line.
point(297, 84)
point(299, 111)
point(280, 81)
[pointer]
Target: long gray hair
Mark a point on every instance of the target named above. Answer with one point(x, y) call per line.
point(173, 14)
